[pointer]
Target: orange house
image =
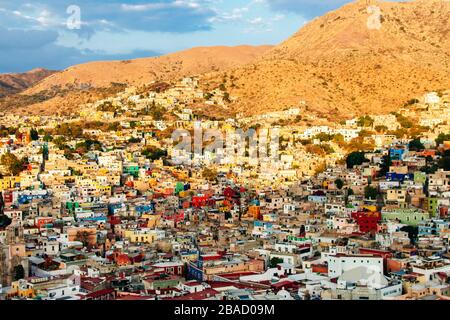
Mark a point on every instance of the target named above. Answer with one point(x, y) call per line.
point(255, 212)
point(429, 153)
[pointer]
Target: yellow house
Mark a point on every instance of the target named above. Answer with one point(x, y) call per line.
point(140, 236)
point(190, 256)
point(103, 171)
point(5, 184)
point(9, 182)
point(227, 127)
point(22, 289)
point(85, 113)
point(398, 195)
point(153, 220)
point(183, 194)
point(270, 217)
point(370, 208)
point(224, 209)
point(103, 189)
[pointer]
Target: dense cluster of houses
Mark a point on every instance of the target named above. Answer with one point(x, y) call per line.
point(117, 221)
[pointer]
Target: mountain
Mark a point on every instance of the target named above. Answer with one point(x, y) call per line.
point(64, 91)
point(340, 67)
point(11, 83)
point(194, 61)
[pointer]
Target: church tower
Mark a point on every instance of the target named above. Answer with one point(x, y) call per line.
point(13, 255)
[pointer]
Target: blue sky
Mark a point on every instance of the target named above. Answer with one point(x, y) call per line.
point(48, 33)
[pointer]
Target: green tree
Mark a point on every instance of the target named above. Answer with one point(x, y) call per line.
point(385, 164)
point(416, 145)
point(60, 143)
point(442, 137)
point(355, 159)
point(34, 135)
point(404, 121)
point(4, 221)
point(275, 261)
point(107, 106)
point(19, 272)
point(324, 137)
point(365, 121)
point(413, 232)
point(88, 145)
point(339, 138)
point(71, 130)
point(48, 138)
point(444, 161)
point(209, 174)
point(157, 111)
point(411, 102)
point(13, 165)
point(134, 140)
point(153, 153)
point(381, 128)
point(370, 193)
point(339, 184)
point(226, 97)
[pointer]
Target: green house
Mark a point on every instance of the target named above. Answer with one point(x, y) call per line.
point(420, 177)
point(432, 206)
point(411, 217)
point(179, 187)
point(71, 206)
point(131, 169)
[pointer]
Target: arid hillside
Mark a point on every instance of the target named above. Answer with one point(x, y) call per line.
point(12, 83)
point(344, 64)
point(64, 91)
point(141, 71)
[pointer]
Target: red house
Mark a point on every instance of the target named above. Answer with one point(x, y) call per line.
point(380, 253)
point(114, 220)
point(200, 201)
point(173, 268)
point(104, 294)
point(229, 192)
point(367, 221)
point(42, 221)
point(177, 217)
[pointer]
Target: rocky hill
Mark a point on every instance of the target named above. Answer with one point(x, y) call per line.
point(345, 63)
point(12, 83)
point(62, 92)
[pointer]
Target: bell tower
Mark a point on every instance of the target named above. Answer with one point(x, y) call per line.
point(13, 254)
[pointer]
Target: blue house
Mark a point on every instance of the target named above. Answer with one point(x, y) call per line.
point(398, 153)
point(393, 176)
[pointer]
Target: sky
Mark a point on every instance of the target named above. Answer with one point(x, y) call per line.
point(56, 34)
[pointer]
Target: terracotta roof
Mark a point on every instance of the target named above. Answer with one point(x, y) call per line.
point(99, 293)
point(208, 293)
